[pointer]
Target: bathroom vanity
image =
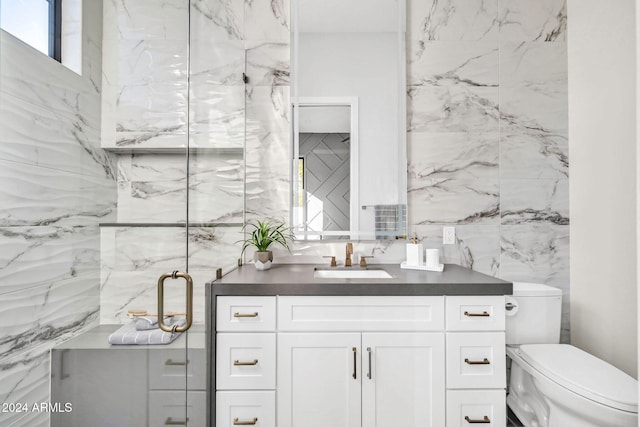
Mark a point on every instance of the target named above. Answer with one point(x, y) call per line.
point(419, 348)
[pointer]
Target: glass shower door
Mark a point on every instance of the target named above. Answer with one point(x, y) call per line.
point(173, 126)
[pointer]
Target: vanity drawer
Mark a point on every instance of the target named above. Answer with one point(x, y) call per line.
point(369, 313)
point(246, 314)
point(466, 406)
point(167, 369)
point(475, 313)
point(235, 408)
point(476, 360)
point(168, 408)
point(245, 361)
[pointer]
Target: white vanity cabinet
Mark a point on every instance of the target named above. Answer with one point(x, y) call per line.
point(476, 361)
point(376, 366)
point(245, 361)
point(353, 379)
point(360, 361)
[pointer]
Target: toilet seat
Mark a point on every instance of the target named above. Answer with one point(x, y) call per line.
point(583, 374)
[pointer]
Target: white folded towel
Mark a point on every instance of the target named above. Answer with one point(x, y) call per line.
point(128, 334)
point(144, 323)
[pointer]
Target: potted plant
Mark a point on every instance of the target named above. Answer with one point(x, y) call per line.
point(263, 234)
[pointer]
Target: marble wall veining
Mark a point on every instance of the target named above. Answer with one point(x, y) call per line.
point(57, 185)
point(173, 81)
point(487, 135)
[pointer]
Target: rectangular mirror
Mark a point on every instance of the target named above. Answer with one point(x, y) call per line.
point(348, 83)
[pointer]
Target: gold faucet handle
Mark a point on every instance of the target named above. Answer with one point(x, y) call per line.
point(363, 261)
point(333, 260)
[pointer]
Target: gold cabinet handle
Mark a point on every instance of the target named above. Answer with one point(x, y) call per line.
point(171, 422)
point(355, 361)
point(189, 282)
point(251, 363)
point(171, 362)
point(484, 361)
point(63, 374)
point(253, 422)
point(254, 314)
point(485, 420)
point(483, 314)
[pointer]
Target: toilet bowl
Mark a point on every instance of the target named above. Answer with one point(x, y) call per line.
point(559, 385)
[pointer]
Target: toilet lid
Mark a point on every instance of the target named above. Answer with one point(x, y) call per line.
point(584, 374)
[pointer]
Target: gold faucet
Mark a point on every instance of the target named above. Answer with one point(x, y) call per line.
point(347, 261)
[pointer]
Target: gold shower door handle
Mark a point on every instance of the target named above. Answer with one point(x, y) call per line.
point(189, 282)
point(485, 420)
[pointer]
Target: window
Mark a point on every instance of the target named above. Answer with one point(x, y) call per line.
point(36, 22)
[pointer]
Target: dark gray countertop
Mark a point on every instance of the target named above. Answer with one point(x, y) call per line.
point(297, 279)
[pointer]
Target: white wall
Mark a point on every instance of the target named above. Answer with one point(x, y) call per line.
point(349, 64)
point(602, 145)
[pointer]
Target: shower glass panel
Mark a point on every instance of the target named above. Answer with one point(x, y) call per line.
point(173, 124)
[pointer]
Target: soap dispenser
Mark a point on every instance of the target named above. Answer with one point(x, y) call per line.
point(415, 253)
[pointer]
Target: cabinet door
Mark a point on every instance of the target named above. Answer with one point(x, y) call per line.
point(319, 377)
point(403, 380)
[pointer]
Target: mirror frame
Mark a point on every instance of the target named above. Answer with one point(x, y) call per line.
point(354, 199)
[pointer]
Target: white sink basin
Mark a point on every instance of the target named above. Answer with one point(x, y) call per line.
point(351, 274)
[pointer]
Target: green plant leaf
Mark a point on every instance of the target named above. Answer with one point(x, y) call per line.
point(265, 233)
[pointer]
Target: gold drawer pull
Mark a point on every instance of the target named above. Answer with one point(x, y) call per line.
point(485, 420)
point(484, 361)
point(254, 314)
point(483, 314)
point(171, 362)
point(245, 423)
point(171, 422)
point(239, 363)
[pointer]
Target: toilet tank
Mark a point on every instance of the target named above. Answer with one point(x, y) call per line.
point(533, 314)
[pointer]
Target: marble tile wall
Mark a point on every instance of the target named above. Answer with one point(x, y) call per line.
point(487, 125)
point(487, 146)
point(56, 184)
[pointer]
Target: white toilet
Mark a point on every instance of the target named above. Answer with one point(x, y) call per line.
point(558, 385)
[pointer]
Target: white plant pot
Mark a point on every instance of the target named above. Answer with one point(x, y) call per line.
point(263, 260)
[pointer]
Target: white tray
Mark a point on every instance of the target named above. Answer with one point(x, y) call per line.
point(439, 267)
